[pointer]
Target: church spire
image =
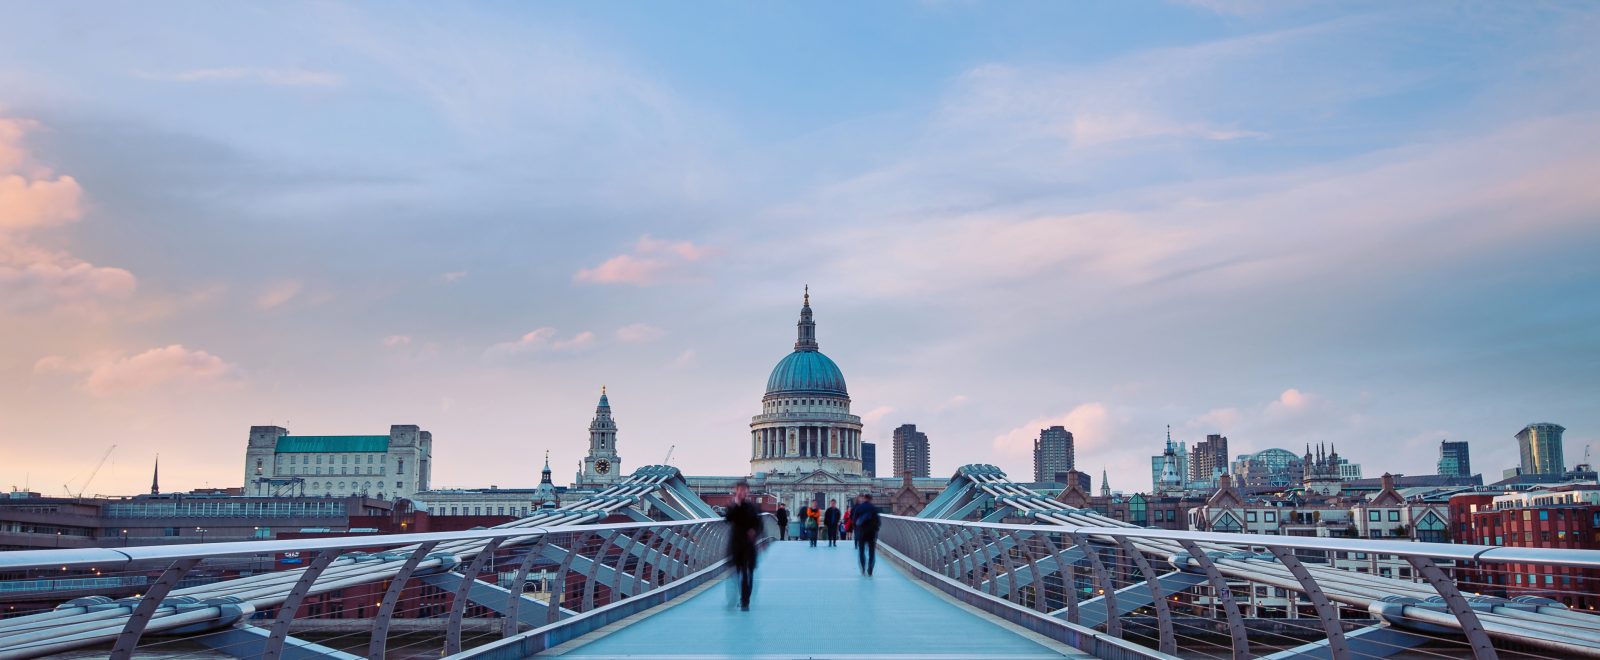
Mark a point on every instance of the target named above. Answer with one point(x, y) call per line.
point(807, 340)
point(1105, 483)
point(155, 477)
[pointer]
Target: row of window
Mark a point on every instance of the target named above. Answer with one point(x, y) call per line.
point(223, 509)
point(282, 470)
point(773, 406)
point(364, 487)
point(485, 510)
point(1377, 515)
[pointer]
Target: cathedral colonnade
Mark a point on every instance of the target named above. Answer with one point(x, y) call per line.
point(805, 441)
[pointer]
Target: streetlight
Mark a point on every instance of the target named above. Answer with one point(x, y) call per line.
point(124, 537)
point(202, 531)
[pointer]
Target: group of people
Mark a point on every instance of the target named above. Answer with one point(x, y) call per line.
point(817, 523)
point(744, 519)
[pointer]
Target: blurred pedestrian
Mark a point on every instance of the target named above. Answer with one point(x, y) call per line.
point(830, 522)
point(783, 522)
point(866, 522)
point(744, 527)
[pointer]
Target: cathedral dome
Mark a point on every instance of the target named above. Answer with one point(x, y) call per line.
point(806, 372)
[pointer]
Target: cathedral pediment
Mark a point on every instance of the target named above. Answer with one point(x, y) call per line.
point(821, 477)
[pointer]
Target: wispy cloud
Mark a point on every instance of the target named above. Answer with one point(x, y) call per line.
point(277, 294)
point(639, 332)
point(685, 360)
point(651, 262)
point(286, 77)
point(453, 277)
point(172, 365)
point(396, 341)
point(32, 197)
point(539, 341)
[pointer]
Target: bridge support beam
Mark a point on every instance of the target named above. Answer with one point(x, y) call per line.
point(244, 641)
point(1369, 642)
point(1224, 597)
point(1092, 612)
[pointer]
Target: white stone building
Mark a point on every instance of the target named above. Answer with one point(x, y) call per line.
point(384, 466)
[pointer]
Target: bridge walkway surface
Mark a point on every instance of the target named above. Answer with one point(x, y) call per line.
point(813, 603)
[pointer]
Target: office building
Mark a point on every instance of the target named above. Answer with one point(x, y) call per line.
point(1209, 460)
point(1052, 453)
point(1454, 459)
point(1540, 445)
point(910, 451)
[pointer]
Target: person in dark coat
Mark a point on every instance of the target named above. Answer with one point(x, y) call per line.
point(830, 521)
point(744, 528)
point(864, 519)
point(782, 515)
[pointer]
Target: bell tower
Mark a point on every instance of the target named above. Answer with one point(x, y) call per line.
point(602, 466)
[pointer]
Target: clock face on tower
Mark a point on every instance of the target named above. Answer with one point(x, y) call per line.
point(602, 466)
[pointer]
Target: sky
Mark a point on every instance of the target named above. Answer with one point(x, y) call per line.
point(1368, 224)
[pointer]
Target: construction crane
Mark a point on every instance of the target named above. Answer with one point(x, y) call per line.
point(90, 479)
point(668, 459)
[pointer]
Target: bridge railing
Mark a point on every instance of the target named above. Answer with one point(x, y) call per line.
point(1179, 592)
point(347, 596)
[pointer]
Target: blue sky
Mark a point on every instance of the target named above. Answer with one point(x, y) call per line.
point(1364, 223)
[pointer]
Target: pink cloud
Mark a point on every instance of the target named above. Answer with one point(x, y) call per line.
point(279, 293)
point(1291, 401)
point(876, 414)
point(639, 332)
point(396, 341)
point(26, 204)
point(540, 340)
point(652, 261)
point(32, 197)
point(32, 278)
point(1090, 423)
point(685, 360)
point(157, 367)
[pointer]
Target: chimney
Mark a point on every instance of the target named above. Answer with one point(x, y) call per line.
point(1388, 481)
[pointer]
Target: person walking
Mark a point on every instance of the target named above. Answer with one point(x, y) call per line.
point(782, 514)
point(866, 521)
point(813, 522)
point(830, 522)
point(744, 523)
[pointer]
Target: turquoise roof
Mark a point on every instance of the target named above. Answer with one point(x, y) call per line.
point(806, 371)
point(327, 444)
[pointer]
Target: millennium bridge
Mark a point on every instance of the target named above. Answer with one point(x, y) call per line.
point(1068, 583)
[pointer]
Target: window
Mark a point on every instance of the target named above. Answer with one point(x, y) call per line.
point(1544, 515)
point(344, 458)
point(258, 466)
point(1394, 516)
point(1374, 516)
point(319, 459)
point(400, 467)
point(1271, 516)
point(397, 485)
point(1249, 516)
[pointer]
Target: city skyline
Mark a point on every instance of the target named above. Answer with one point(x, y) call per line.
point(338, 217)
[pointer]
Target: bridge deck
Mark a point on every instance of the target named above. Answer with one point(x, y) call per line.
point(811, 602)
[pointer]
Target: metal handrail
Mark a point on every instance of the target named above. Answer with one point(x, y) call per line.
point(1458, 552)
point(34, 559)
